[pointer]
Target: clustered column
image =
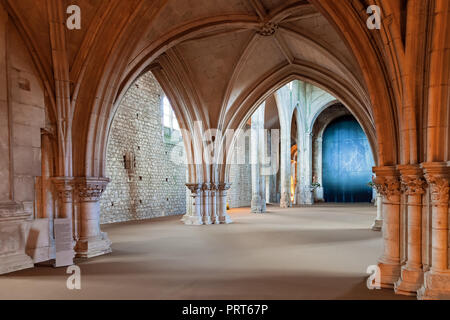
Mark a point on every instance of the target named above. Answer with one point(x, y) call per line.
point(415, 200)
point(209, 204)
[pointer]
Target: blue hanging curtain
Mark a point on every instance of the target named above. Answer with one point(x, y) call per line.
point(347, 162)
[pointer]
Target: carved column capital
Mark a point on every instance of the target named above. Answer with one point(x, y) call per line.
point(64, 187)
point(91, 189)
point(437, 175)
point(195, 188)
point(387, 181)
point(413, 182)
point(224, 186)
point(207, 186)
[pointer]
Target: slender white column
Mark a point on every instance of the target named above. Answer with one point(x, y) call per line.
point(223, 215)
point(214, 204)
point(285, 167)
point(256, 193)
point(206, 208)
point(305, 172)
point(194, 214)
point(378, 223)
point(262, 145)
point(319, 170)
point(258, 187)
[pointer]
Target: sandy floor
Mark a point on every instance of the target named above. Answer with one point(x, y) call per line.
point(320, 252)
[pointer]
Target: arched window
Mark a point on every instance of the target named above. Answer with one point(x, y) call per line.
point(171, 128)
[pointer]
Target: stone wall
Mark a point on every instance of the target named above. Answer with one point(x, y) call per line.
point(240, 193)
point(22, 115)
point(151, 185)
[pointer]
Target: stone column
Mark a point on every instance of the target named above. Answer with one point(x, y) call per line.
point(92, 241)
point(285, 167)
point(206, 208)
point(378, 223)
point(437, 280)
point(214, 202)
point(64, 187)
point(263, 168)
point(412, 272)
point(257, 127)
point(256, 194)
point(304, 174)
point(319, 171)
point(223, 215)
point(194, 215)
point(388, 184)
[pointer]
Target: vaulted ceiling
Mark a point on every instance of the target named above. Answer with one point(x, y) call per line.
point(224, 46)
point(216, 60)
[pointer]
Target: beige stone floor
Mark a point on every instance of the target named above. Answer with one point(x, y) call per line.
point(319, 252)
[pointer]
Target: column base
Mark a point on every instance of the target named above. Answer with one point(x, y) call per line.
point(207, 221)
point(377, 225)
point(215, 220)
point(256, 206)
point(226, 219)
point(93, 247)
point(257, 210)
point(390, 273)
point(191, 220)
point(436, 286)
point(16, 262)
point(410, 281)
point(285, 201)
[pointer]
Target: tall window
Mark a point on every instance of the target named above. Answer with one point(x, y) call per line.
point(169, 119)
point(171, 128)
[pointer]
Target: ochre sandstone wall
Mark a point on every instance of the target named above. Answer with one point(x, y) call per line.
point(157, 186)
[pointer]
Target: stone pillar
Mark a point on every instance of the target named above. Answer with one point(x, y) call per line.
point(64, 187)
point(412, 272)
point(256, 144)
point(304, 174)
point(256, 194)
point(214, 204)
point(437, 280)
point(319, 164)
point(194, 215)
point(92, 241)
point(263, 169)
point(223, 215)
point(206, 207)
point(378, 223)
point(285, 167)
point(388, 184)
